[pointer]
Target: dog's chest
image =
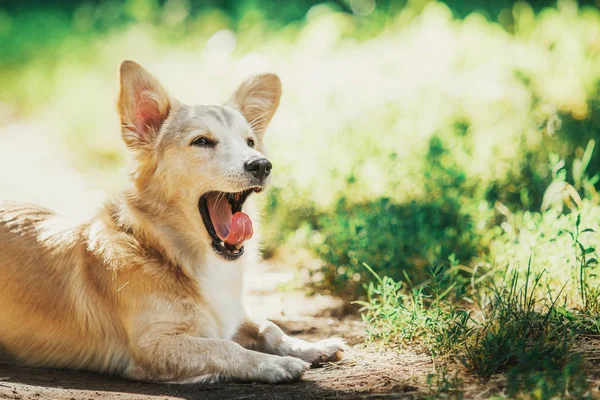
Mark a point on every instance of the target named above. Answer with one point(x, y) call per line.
point(221, 288)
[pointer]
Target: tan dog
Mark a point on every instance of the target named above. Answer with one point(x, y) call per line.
point(151, 287)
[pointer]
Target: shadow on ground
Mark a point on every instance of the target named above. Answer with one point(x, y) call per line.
point(363, 375)
point(32, 383)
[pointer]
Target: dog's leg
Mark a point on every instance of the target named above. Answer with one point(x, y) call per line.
point(181, 358)
point(269, 338)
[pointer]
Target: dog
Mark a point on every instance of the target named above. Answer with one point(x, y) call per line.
point(151, 287)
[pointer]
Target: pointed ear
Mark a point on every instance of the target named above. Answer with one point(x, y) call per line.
point(143, 105)
point(257, 99)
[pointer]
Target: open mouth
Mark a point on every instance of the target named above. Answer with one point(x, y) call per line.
point(226, 224)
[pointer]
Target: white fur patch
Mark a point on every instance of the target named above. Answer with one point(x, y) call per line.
point(221, 286)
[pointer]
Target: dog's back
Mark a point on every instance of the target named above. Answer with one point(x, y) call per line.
point(47, 252)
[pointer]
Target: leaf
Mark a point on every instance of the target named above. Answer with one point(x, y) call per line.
point(557, 164)
point(591, 261)
point(445, 293)
point(577, 172)
point(587, 155)
point(373, 272)
point(588, 230)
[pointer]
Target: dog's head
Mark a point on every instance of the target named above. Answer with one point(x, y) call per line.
point(203, 161)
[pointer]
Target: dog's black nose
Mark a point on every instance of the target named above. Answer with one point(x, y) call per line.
point(260, 168)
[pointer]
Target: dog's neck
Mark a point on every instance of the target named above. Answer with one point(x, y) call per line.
point(164, 230)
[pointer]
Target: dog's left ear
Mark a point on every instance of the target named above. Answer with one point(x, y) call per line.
point(143, 105)
point(257, 99)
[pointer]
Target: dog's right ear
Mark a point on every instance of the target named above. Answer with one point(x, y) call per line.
point(143, 105)
point(257, 99)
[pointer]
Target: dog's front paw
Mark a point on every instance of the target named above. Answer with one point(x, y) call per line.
point(276, 369)
point(326, 350)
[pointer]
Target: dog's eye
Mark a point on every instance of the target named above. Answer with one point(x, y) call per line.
point(250, 142)
point(203, 142)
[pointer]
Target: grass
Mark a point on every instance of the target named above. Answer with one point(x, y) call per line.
point(522, 315)
point(514, 333)
point(512, 323)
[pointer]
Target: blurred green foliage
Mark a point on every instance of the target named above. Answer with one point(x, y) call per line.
point(41, 31)
point(411, 198)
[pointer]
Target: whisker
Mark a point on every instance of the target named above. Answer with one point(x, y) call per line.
point(258, 120)
point(223, 195)
point(274, 192)
point(259, 131)
point(260, 116)
point(220, 197)
point(254, 128)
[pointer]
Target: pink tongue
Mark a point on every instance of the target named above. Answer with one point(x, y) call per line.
point(240, 229)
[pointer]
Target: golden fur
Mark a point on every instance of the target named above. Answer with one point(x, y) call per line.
point(138, 290)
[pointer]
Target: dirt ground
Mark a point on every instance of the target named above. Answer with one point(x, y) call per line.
point(364, 373)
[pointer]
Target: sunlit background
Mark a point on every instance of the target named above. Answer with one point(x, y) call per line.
point(411, 133)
